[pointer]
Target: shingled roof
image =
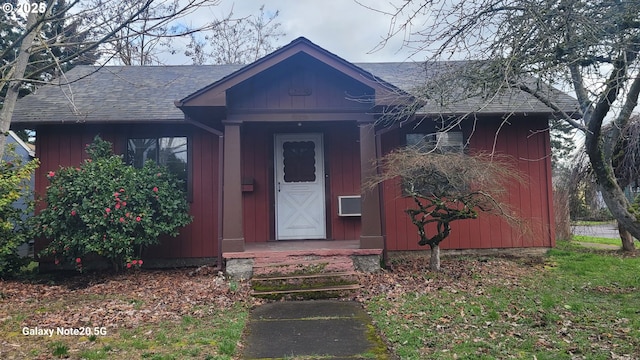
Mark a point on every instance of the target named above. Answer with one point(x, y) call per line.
point(113, 94)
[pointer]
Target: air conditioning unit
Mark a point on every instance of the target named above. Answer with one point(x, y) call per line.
point(349, 205)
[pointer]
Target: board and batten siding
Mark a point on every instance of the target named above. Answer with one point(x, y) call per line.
point(64, 145)
point(528, 146)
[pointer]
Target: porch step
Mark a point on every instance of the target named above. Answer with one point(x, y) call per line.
point(300, 265)
point(310, 265)
point(311, 276)
point(304, 286)
point(327, 289)
point(303, 277)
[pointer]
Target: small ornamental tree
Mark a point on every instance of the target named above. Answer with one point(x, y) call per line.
point(447, 187)
point(14, 185)
point(105, 207)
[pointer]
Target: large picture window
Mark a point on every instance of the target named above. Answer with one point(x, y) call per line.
point(171, 152)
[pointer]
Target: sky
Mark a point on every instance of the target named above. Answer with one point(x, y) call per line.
point(342, 27)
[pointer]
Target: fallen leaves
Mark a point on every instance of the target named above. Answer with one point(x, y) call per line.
point(121, 300)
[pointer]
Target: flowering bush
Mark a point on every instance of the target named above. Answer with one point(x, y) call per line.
point(14, 185)
point(108, 208)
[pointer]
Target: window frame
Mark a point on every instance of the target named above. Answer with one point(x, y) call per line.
point(157, 137)
point(431, 146)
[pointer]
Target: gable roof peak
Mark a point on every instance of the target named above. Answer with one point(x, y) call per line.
point(215, 93)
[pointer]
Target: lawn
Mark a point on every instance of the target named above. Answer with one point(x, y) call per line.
point(597, 240)
point(141, 315)
point(576, 303)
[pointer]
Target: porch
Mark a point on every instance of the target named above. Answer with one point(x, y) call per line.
point(297, 255)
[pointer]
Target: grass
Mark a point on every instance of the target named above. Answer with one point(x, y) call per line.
point(592, 222)
point(206, 331)
point(597, 240)
point(213, 337)
point(577, 303)
point(581, 304)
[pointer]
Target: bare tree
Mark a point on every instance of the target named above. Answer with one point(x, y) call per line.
point(237, 41)
point(144, 40)
point(626, 165)
point(590, 45)
point(99, 25)
point(449, 187)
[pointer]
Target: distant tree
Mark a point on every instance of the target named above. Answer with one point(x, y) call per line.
point(64, 33)
point(237, 41)
point(592, 46)
point(448, 187)
point(151, 35)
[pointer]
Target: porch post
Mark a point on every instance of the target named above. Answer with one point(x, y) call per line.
point(371, 220)
point(232, 234)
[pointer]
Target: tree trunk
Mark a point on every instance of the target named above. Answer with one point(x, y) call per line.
point(627, 239)
point(15, 80)
point(612, 194)
point(434, 262)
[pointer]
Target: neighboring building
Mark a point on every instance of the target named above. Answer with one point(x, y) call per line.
point(24, 151)
point(288, 136)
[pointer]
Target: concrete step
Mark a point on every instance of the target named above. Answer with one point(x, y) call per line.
point(309, 276)
point(337, 288)
point(312, 282)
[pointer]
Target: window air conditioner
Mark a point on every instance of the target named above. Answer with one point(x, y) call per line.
point(349, 205)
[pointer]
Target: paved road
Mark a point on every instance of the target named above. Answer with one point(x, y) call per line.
point(605, 231)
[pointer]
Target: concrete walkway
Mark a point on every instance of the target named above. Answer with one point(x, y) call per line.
point(327, 329)
point(602, 230)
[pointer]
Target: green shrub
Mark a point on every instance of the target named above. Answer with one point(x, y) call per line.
point(14, 185)
point(107, 208)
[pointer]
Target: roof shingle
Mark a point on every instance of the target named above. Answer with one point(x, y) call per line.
point(147, 93)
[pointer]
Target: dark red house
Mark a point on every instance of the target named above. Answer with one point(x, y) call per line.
point(276, 150)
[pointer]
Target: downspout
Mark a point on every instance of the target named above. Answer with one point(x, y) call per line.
point(220, 135)
point(383, 215)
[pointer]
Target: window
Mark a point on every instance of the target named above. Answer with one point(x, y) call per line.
point(167, 151)
point(299, 161)
point(442, 142)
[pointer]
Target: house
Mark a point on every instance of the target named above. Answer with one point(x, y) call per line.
point(276, 150)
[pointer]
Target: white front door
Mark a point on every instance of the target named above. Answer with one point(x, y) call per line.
point(299, 181)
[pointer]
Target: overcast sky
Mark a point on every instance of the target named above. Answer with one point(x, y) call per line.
point(342, 27)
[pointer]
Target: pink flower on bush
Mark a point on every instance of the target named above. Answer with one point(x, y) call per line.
point(57, 261)
point(128, 265)
point(51, 174)
point(140, 262)
point(155, 189)
point(121, 219)
point(117, 206)
point(116, 194)
point(124, 203)
point(121, 190)
point(78, 260)
point(134, 262)
point(107, 210)
point(73, 213)
point(138, 218)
